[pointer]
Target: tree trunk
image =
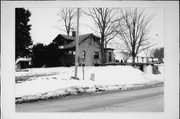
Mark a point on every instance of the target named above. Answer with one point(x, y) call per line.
point(103, 53)
point(103, 56)
point(133, 60)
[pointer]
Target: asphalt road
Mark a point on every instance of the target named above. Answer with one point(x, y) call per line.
point(142, 100)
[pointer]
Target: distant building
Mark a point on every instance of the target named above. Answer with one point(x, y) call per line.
point(22, 63)
point(110, 57)
point(89, 50)
point(122, 56)
point(139, 59)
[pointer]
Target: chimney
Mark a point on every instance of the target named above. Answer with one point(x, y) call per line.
point(74, 33)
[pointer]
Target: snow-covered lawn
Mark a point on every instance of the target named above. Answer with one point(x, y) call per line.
point(44, 83)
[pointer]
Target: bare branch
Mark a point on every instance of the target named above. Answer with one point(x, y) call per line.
point(105, 21)
point(59, 28)
point(67, 15)
point(134, 29)
point(95, 31)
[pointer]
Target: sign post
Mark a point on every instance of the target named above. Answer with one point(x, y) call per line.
point(83, 64)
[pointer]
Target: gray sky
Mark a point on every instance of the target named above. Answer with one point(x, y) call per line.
point(45, 20)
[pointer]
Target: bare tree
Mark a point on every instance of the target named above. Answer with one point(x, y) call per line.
point(67, 15)
point(133, 30)
point(146, 52)
point(105, 21)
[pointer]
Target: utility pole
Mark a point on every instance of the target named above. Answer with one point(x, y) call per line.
point(77, 45)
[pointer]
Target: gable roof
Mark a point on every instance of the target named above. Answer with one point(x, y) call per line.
point(68, 37)
point(81, 39)
point(62, 36)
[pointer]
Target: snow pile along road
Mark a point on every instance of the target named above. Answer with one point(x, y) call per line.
point(45, 83)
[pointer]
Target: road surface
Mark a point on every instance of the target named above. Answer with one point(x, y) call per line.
point(142, 100)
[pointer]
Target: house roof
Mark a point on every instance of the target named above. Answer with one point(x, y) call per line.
point(109, 49)
point(68, 37)
point(81, 39)
point(60, 37)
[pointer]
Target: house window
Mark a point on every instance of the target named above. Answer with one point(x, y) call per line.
point(96, 55)
point(84, 54)
point(61, 47)
point(74, 53)
point(110, 57)
point(69, 52)
point(90, 41)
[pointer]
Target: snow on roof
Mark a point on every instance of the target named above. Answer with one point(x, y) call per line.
point(71, 37)
point(81, 39)
point(23, 59)
point(68, 37)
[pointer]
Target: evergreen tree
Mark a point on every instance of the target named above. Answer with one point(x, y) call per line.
point(22, 34)
point(47, 56)
point(52, 55)
point(39, 55)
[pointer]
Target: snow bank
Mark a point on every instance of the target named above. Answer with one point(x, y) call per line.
point(47, 83)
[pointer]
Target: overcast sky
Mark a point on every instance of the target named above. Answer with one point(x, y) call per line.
point(45, 20)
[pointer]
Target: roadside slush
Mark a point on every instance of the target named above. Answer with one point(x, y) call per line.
point(77, 91)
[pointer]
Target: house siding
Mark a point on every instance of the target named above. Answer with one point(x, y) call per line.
point(89, 46)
